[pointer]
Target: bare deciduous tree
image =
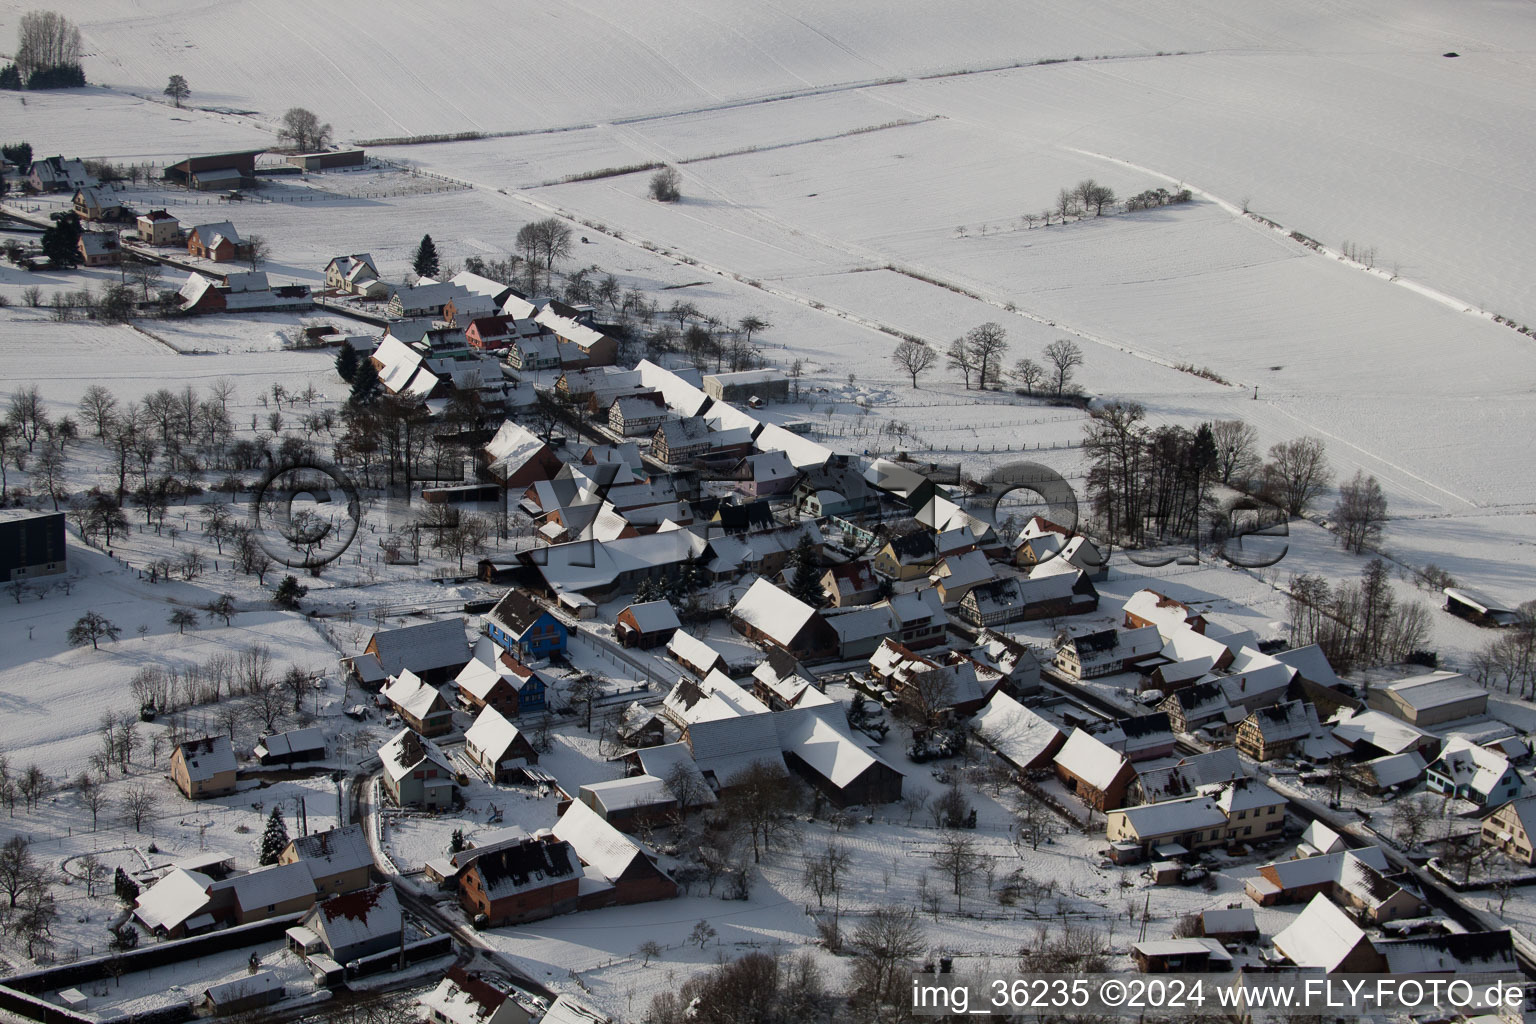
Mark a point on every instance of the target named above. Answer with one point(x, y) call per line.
point(303, 128)
point(1064, 357)
point(1360, 512)
point(1297, 473)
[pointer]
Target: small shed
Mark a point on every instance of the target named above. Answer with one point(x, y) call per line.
point(1180, 955)
point(647, 624)
point(1231, 924)
point(292, 747)
point(241, 994)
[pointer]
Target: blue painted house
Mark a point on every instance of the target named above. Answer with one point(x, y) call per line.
point(519, 623)
point(1474, 773)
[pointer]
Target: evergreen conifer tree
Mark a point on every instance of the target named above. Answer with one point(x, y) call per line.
point(426, 262)
point(346, 362)
point(365, 383)
point(805, 577)
point(274, 839)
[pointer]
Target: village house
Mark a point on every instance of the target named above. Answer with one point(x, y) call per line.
point(999, 602)
point(764, 475)
point(1014, 661)
point(1382, 775)
point(338, 859)
point(293, 747)
point(646, 624)
point(1141, 738)
point(505, 683)
point(770, 616)
point(497, 746)
point(823, 750)
point(97, 204)
point(631, 803)
point(596, 348)
point(948, 683)
point(1371, 734)
point(357, 275)
point(1150, 608)
point(1229, 813)
point(1277, 731)
point(353, 925)
point(520, 623)
point(636, 415)
point(532, 879)
point(462, 998)
point(616, 870)
point(780, 682)
point(416, 773)
point(516, 457)
point(1098, 775)
point(1186, 777)
point(694, 654)
point(271, 891)
point(1042, 541)
point(56, 174)
point(219, 242)
point(158, 228)
point(240, 293)
point(1350, 878)
point(1322, 937)
point(715, 696)
point(955, 575)
point(1108, 651)
point(850, 583)
point(1509, 828)
point(204, 767)
point(639, 726)
point(1016, 734)
point(1474, 773)
point(100, 249)
point(420, 705)
point(433, 651)
point(1431, 699)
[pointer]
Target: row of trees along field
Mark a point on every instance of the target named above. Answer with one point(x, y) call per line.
point(980, 356)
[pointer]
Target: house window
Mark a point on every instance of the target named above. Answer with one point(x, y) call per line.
point(1241, 815)
point(1248, 831)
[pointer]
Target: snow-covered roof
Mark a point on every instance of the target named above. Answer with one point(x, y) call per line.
point(772, 611)
point(1435, 689)
point(963, 570)
point(512, 447)
point(587, 565)
point(398, 764)
point(423, 647)
point(208, 232)
point(1160, 610)
point(681, 397)
point(1228, 920)
point(1321, 936)
point(1090, 760)
point(1467, 764)
point(654, 616)
point(566, 1010)
point(717, 696)
point(412, 696)
point(802, 451)
point(1172, 817)
point(462, 998)
point(1395, 769)
point(689, 649)
point(826, 745)
point(1013, 730)
point(629, 792)
point(244, 988)
point(333, 851)
point(1288, 721)
point(294, 741)
point(662, 761)
point(350, 918)
point(726, 746)
point(1319, 840)
point(266, 886)
point(1312, 663)
point(1190, 774)
point(174, 899)
point(492, 733)
point(534, 863)
point(207, 757)
point(597, 843)
point(1457, 953)
point(1379, 729)
point(573, 331)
